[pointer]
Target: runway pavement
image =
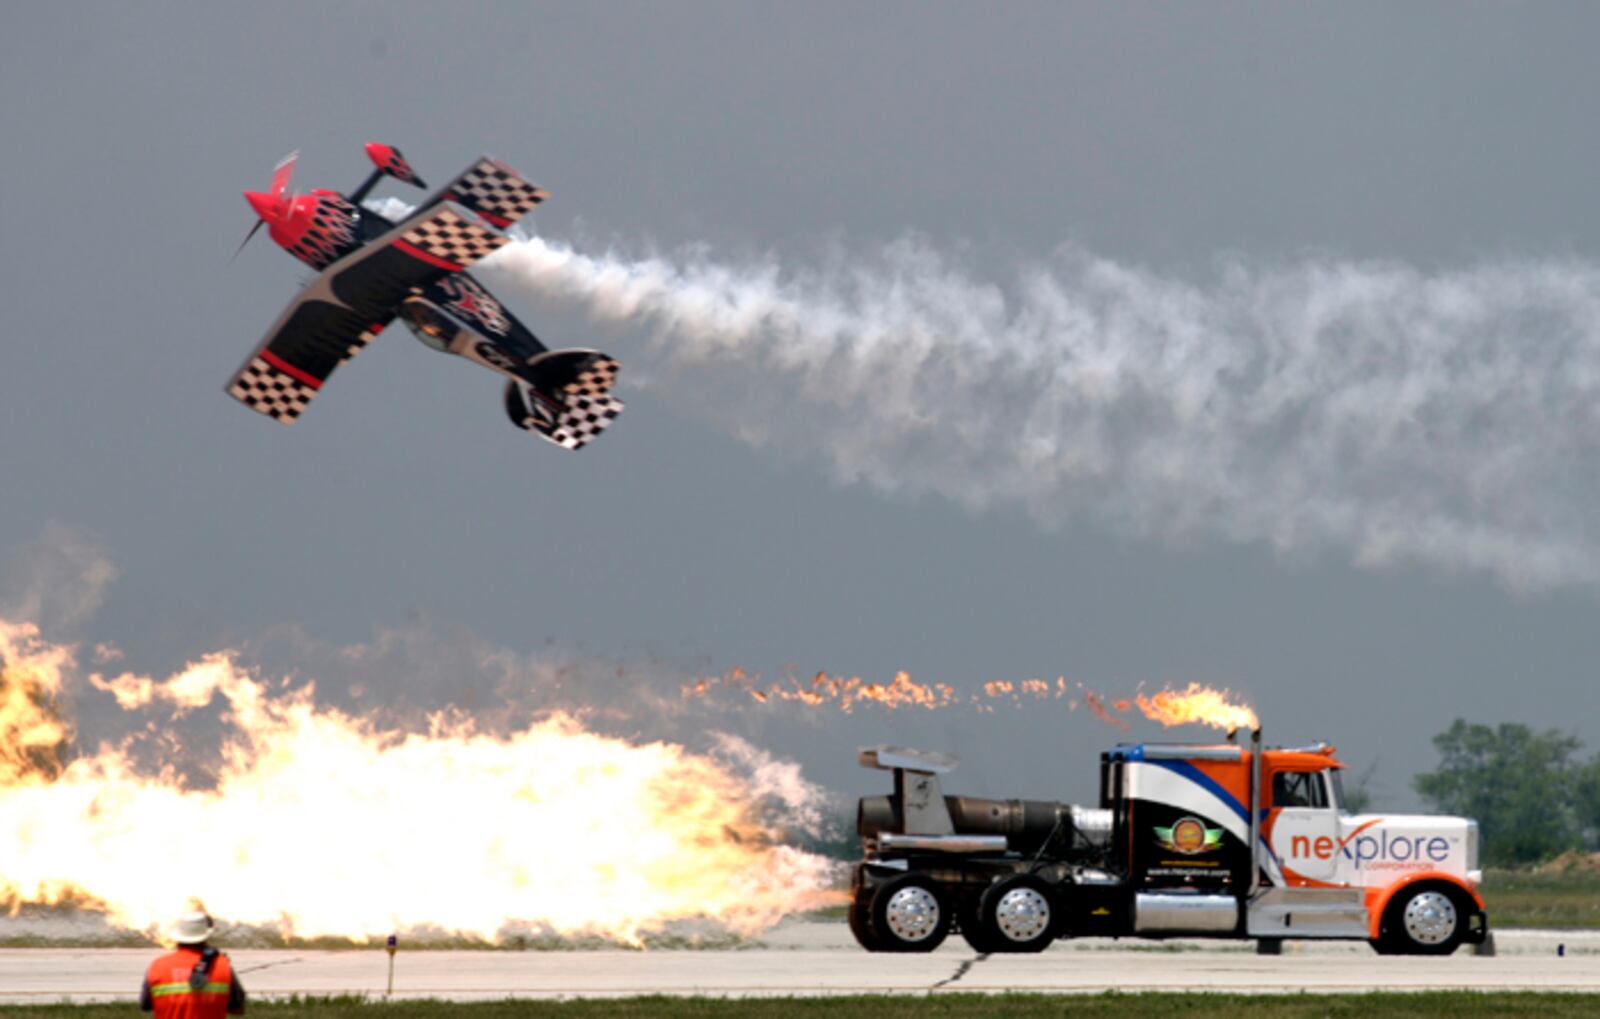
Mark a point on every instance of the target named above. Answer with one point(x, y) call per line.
point(820, 959)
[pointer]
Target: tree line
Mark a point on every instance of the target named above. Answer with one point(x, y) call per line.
point(1532, 795)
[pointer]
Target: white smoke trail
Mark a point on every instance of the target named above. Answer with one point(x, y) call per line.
point(60, 578)
point(1447, 420)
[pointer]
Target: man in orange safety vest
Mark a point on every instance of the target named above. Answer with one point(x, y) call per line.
point(194, 980)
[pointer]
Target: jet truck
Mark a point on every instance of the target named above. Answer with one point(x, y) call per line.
point(1188, 840)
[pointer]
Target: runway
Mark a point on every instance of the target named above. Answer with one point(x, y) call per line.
point(813, 959)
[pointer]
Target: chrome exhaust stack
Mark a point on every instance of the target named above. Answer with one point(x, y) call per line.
point(1255, 812)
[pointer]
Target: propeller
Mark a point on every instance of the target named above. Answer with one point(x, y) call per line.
point(273, 202)
point(283, 173)
point(259, 224)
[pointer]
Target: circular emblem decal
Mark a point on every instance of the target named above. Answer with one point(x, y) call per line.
point(1189, 836)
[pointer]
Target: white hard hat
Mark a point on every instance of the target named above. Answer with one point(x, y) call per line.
point(191, 928)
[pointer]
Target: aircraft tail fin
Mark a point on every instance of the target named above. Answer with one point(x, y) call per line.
point(565, 396)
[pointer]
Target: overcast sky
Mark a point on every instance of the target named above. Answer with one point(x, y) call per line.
point(1428, 142)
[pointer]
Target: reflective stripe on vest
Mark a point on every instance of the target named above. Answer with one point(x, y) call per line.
point(160, 990)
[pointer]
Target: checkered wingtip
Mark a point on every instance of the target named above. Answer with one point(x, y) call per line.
point(266, 390)
point(492, 187)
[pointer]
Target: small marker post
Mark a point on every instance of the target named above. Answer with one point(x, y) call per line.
point(390, 946)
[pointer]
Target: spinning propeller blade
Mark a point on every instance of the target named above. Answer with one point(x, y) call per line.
point(282, 173)
point(274, 201)
point(259, 224)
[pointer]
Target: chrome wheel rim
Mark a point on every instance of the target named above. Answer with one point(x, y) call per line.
point(912, 913)
point(1430, 918)
point(1022, 914)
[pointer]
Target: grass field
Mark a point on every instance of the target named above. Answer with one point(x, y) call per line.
point(1520, 898)
point(941, 1006)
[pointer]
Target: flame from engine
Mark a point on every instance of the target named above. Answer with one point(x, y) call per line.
point(846, 694)
point(32, 733)
point(322, 824)
point(1195, 704)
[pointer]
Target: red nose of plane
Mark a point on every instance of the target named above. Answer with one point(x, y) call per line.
point(266, 206)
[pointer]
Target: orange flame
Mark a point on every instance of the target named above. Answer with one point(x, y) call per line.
point(321, 824)
point(1197, 704)
point(32, 733)
point(846, 694)
point(1097, 705)
point(1194, 704)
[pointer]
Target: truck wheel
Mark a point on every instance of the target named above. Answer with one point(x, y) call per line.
point(1426, 920)
point(861, 925)
point(909, 914)
point(1017, 915)
point(972, 929)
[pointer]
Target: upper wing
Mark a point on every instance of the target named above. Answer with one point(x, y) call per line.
point(493, 190)
point(350, 302)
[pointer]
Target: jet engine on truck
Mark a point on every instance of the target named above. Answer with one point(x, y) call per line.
point(1188, 840)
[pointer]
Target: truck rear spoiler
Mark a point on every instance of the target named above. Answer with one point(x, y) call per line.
point(916, 783)
point(928, 762)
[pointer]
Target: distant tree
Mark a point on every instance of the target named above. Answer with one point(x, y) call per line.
point(1517, 783)
point(1586, 801)
point(1358, 791)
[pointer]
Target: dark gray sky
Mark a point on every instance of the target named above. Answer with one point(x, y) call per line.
point(1170, 139)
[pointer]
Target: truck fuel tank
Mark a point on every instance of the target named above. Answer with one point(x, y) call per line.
point(1172, 912)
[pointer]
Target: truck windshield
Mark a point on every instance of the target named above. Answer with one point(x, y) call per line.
point(1299, 789)
point(1336, 776)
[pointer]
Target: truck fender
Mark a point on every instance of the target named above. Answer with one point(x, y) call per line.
point(1378, 899)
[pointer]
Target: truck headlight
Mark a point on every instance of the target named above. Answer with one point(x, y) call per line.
point(1472, 845)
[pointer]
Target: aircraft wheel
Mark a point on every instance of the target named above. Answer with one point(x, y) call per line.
point(1017, 915)
point(910, 914)
point(1429, 919)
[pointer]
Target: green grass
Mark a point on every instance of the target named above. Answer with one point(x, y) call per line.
point(1441, 1004)
point(1522, 898)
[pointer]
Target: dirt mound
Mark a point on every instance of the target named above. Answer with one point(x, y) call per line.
point(1569, 862)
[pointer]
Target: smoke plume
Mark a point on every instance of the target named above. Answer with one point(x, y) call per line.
point(1371, 409)
point(58, 581)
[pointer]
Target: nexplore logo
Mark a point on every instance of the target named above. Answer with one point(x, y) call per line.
point(1374, 850)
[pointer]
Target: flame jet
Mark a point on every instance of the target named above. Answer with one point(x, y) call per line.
point(372, 270)
point(317, 823)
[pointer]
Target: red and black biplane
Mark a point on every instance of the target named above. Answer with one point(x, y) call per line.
point(372, 270)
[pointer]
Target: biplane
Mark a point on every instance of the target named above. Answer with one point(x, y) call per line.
point(372, 269)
